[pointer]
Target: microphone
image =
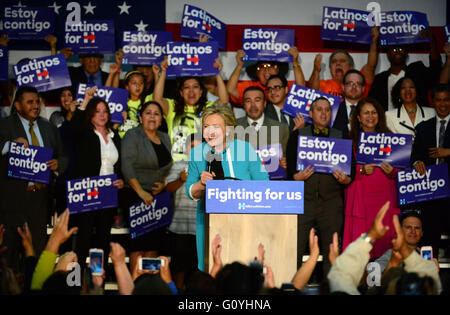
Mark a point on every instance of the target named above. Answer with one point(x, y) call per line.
point(209, 159)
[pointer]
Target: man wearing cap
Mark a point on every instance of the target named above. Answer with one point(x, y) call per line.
point(424, 77)
point(340, 62)
point(260, 72)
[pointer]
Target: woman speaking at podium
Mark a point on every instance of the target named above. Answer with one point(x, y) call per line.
point(221, 157)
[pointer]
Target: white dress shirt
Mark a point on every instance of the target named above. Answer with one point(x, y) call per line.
point(109, 153)
point(259, 122)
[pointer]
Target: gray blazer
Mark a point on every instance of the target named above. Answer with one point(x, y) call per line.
point(254, 139)
point(139, 159)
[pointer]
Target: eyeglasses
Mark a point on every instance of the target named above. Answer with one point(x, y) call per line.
point(266, 66)
point(353, 84)
point(274, 88)
point(398, 49)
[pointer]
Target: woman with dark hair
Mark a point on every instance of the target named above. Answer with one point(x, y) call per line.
point(183, 113)
point(61, 119)
point(146, 161)
point(98, 153)
point(408, 113)
point(373, 184)
point(68, 105)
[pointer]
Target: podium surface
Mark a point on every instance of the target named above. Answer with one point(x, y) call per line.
point(242, 233)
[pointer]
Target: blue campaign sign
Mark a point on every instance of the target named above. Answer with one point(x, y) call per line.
point(270, 156)
point(325, 154)
point(90, 37)
point(402, 28)
point(144, 48)
point(447, 32)
point(28, 23)
point(3, 63)
point(196, 21)
point(116, 98)
point(144, 219)
point(192, 59)
point(91, 193)
point(45, 74)
point(300, 98)
point(392, 148)
point(256, 196)
point(345, 25)
point(413, 187)
point(29, 163)
point(268, 44)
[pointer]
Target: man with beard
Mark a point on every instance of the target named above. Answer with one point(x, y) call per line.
point(354, 87)
point(425, 77)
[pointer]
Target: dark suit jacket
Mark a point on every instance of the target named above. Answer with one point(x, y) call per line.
point(270, 112)
point(251, 137)
point(77, 76)
point(323, 185)
point(11, 128)
point(88, 161)
point(424, 78)
point(341, 121)
point(425, 139)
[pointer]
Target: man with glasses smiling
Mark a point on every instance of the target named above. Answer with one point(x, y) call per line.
point(277, 91)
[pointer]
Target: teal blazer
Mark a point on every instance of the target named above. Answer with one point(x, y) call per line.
point(239, 160)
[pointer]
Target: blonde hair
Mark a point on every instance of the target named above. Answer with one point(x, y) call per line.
point(225, 112)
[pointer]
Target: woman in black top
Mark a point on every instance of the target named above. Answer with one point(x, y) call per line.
point(98, 153)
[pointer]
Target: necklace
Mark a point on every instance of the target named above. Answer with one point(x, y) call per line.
point(412, 111)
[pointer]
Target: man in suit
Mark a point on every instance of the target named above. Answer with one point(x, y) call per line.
point(263, 131)
point(277, 91)
point(324, 204)
point(431, 147)
point(354, 88)
point(89, 72)
point(426, 77)
point(22, 201)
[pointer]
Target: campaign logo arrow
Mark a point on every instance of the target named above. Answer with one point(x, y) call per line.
point(351, 26)
point(386, 150)
point(90, 37)
point(193, 59)
point(43, 73)
point(206, 27)
point(93, 193)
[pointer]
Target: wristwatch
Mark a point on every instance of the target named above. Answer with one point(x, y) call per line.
point(366, 238)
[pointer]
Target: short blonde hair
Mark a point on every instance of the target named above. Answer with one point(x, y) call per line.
point(225, 112)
